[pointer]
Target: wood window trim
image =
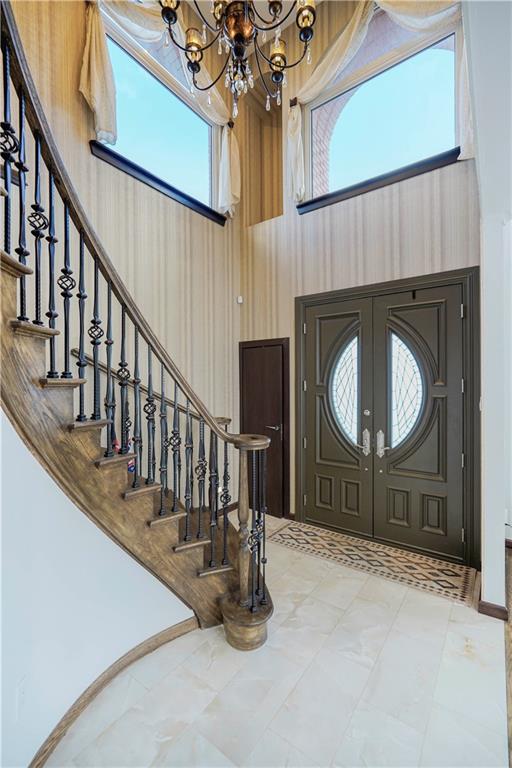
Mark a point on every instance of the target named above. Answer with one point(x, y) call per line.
point(400, 174)
point(102, 152)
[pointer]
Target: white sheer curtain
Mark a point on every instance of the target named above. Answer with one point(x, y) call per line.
point(429, 17)
point(143, 21)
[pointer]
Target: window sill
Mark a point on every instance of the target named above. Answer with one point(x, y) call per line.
point(407, 172)
point(121, 163)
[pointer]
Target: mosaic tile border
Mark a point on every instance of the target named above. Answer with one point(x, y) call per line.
point(449, 580)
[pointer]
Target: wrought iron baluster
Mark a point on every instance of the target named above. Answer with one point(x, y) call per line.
point(52, 313)
point(262, 542)
point(38, 223)
point(225, 500)
point(253, 540)
point(137, 432)
point(8, 144)
point(82, 362)
point(124, 374)
point(201, 474)
point(66, 283)
point(109, 394)
point(176, 452)
point(164, 442)
point(95, 334)
point(213, 496)
point(21, 250)
point(149, 410)
point(188, 472)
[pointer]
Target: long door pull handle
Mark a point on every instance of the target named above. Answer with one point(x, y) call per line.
point(381, 447)
point(365, 447)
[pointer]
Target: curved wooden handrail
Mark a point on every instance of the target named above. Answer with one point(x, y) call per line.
point(23, 81)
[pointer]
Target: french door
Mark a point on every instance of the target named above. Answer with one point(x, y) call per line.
point(382, 419)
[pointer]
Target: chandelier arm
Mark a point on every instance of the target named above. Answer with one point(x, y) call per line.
point(201, 50)
point(286, 66)
point(271, 95)
point(277, 24)
point(205, 20)
point(214, 82)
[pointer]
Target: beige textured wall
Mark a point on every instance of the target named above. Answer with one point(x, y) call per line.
point(182, 269)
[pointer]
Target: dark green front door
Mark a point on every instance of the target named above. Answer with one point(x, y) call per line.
point(382, 418)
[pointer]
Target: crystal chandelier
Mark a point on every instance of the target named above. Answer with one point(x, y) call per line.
point(237, 28)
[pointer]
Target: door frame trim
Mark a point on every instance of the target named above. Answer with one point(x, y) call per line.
point(469, 280)
point(284, 343)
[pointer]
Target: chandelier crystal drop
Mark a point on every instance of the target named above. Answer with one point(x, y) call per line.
point(238, 26)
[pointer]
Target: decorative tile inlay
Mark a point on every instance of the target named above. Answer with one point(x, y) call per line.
point(450, 580)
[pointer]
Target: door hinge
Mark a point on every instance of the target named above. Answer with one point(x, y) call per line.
point(462, 386)
point(463, 460)
point(463, 536)
point(304, 328)
point(304, 499)
point(304, 442)
point(304, 386)
point(462, 313)
point(480, 404)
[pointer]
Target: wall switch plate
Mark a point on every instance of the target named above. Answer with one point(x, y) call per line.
point(239, 299)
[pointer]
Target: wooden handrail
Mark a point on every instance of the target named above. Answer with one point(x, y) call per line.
point(23, 82)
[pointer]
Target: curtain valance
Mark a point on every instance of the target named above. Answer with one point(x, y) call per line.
point(426, 16)
point(143, 22)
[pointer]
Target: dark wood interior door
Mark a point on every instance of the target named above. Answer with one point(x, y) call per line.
point(264, 387)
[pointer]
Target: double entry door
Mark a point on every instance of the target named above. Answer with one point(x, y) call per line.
point(382, 418)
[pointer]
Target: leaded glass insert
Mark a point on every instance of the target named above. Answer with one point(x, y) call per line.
point(345, 389)
point(406, 390)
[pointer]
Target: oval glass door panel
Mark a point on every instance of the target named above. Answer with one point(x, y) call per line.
point(406, 390)
point(345, 390)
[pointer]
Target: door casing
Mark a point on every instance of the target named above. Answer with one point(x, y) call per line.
point(468, 279)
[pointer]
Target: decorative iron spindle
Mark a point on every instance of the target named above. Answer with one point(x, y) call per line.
point(189, 447)
point(201, 474)
point(8, 144)
point(124, 375)
point(109, 394)
point(81, 296)
point(66, 284)
point(164, 442)
point(262, 593)
point(137, 432)
point(253, 539)
point(213, 496)
point(176, 452)
point(95, 334)
point(149, 410)
point(39, 224)
point(225, 500)
point(52, 313)
point(21, 250)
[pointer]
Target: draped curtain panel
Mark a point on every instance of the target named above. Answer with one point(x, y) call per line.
point(427, 17)
point(143, 22)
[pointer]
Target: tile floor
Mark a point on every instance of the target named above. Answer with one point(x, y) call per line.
point(357, 671)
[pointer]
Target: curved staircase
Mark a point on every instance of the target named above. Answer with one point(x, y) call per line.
point(151, 468)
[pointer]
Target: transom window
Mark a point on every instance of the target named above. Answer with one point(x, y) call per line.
point(150, 119)
point(394, 107)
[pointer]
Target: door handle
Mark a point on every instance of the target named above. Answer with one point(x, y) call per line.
point(275, 427)
point(365, 447)
point(381, 447)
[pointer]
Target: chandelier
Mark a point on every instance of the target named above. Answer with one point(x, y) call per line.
point(236, 28)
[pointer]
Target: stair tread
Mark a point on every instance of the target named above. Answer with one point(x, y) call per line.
point(113, 461)
point(142, 490)
point(215, 569)
point(194, 544)
point(171, 517)
point(83, 426)
point(24, 328)
point(13, 266)
point(47, 383)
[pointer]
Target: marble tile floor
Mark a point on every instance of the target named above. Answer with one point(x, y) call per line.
point(357, 671)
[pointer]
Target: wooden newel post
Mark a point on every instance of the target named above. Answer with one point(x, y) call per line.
point(244, 555)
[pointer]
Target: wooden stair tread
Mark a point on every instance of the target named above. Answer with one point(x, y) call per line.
point(113, 461)
point(165, 519)
point(184, 546)
point(84, 426)
point(23, 328)
point(215, 569)
point(48, 383)
point(142, 490)
point(12, 266)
